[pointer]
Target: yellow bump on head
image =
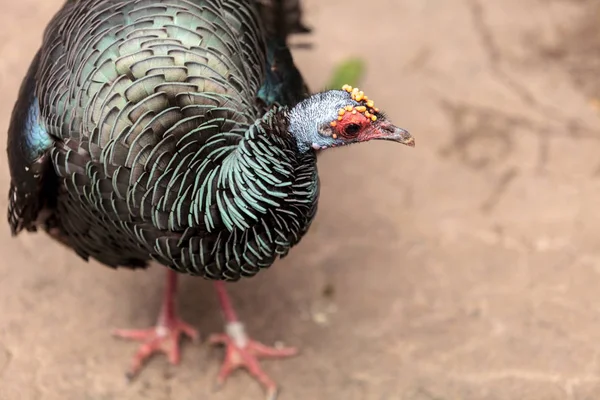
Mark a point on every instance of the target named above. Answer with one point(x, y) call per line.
point(349, 108)
point(340, 118)
point(361, 108)
point(333, 123)
point(341, 112)
point(360, 96)
point(367, 114)
point(353, 111)
point(373, 118)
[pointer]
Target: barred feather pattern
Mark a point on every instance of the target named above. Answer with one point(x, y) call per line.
point(161, 149)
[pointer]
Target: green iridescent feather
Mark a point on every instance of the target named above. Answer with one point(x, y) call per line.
point(157, 137)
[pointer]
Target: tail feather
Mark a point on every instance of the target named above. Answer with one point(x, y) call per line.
point(283, 17)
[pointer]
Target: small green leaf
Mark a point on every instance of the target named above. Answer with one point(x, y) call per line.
point(349, 72)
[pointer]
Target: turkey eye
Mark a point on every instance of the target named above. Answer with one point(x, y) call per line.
point(352, 129)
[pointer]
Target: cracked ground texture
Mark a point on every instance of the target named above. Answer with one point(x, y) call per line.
point(465, 268)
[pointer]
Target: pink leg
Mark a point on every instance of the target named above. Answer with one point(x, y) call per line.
point(164, 336)
point(241, 351)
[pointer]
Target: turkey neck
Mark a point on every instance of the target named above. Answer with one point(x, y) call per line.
point(265, 171)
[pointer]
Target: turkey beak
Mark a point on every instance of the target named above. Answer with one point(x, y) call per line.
point(391, 132)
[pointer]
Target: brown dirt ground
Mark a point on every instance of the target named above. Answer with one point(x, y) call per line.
point(466, 268)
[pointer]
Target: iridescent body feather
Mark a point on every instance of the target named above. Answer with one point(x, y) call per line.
point(159, 138)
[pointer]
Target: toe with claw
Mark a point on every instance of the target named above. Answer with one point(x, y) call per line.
point(162, 338)
point(242, 352)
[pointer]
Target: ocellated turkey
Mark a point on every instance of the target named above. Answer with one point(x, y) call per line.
point(180, 132)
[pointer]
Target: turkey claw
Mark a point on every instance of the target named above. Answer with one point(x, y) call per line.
point(242, 352)
point(161, 338)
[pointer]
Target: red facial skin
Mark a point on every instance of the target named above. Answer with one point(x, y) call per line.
point(367, 131)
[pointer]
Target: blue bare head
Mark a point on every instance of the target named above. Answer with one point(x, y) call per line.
point(341, 117)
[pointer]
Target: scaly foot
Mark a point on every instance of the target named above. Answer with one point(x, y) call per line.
point(242, 352)
point(164, 338)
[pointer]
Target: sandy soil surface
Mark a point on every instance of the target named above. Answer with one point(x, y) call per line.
point(466, 268)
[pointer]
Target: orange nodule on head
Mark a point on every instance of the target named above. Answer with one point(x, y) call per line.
point(356, 114)
point(367, 108)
